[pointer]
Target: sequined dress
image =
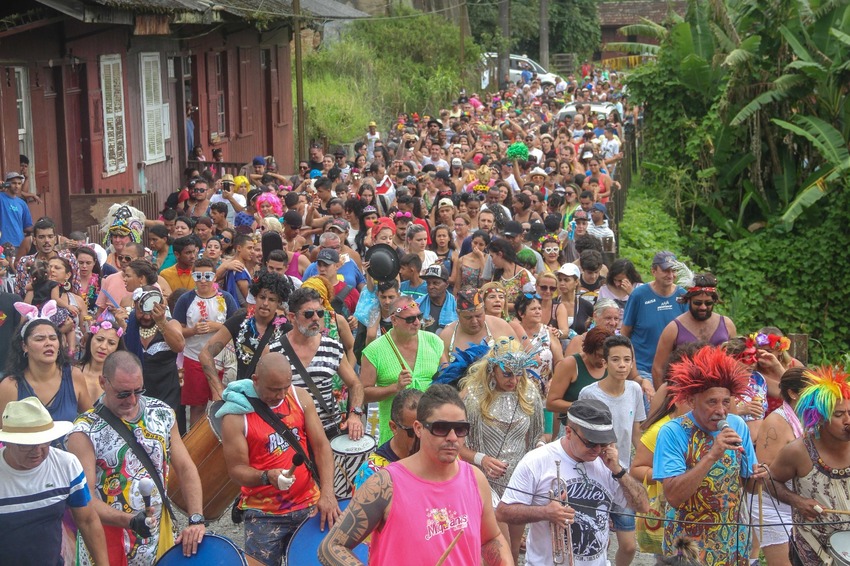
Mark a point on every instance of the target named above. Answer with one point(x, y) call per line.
point(511, 435)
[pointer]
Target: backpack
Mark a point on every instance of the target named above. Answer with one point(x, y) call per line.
point(338, 302)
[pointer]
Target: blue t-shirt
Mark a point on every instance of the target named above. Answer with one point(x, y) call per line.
point(14, 218)
point(673, 443)
point(351, 274)
point(231, 287)
point(418, 292)
point(648, 313)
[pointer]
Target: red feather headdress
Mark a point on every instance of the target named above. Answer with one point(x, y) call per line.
point(709, 367)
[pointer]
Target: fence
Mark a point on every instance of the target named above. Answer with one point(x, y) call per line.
point(222, 167)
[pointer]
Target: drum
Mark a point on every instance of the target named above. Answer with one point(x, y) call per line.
point(348, 455)
point(839, 548)
point(203, 442)
point(303, 549)
point(214, 550)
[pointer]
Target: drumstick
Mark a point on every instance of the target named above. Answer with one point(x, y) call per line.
point(397, 353)
point(345, 476)
point(450, 548)
point(837, 511)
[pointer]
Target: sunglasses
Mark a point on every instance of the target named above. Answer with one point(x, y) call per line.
point(411, 319)
point(123, 258)
point(531, 296)
point(311, 313)
point(552, 288)
point(225, 240)
point(443, 428)
point(589, 445)
point(550, 250)
point(199, 276)
point(570, 193)
point(126, 394)
point(702, 303)
point(408, 429)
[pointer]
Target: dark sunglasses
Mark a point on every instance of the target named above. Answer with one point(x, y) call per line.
point(311, 313)
point(702, 303)
point(589, 445)
point(124, 257)
point(225, 240)
point(411, 319)
point(547, 287)
point(408, 429)
point(443, 428)
point(126, 394)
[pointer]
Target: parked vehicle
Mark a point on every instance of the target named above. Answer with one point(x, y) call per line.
point(518, 62)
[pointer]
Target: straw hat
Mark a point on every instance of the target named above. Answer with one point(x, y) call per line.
point(28, 422)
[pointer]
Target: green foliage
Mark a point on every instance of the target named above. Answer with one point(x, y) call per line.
point(380, 68)
point(573, 26)
point(647, 228)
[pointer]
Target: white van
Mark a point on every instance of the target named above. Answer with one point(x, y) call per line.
point(491, 64)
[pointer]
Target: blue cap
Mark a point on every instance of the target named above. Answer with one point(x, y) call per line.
point(259, 160)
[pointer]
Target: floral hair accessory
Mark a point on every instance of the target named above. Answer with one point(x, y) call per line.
point(481, 188)
point(409, 305)
point(401, 214)
point(772, 341)
point(31, 313)
point(750, 354)
point(698, 290)
point(514, 361)
point(106, 325)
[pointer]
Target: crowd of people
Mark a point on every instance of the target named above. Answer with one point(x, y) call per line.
point(448, 290)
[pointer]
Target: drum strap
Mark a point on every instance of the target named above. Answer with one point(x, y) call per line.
point(264, 412)
point(140, 452)
point(305, 375)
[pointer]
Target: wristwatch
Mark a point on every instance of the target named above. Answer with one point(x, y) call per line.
point(619, 474)
point(264, 477)
point(357, 411)
point(196, 519)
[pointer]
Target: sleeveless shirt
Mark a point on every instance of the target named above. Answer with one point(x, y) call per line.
point(425, 516)
point(63, 406)
point(685, 336)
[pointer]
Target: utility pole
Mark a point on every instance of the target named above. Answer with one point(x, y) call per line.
point(505, 44)
point(462, 46)
point(300, 121)
point(544, 33)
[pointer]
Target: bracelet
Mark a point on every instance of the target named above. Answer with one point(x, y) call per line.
point(479, 457)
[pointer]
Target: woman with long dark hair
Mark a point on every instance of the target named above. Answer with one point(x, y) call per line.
point(105, 337)
point(159, 241)
point(621, 280)
point(38, 366)
point(507, 272)
point(89, 277)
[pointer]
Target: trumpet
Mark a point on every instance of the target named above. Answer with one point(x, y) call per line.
point(562, 550)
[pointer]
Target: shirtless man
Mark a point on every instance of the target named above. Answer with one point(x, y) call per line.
point(699, 324)
point(472, 326)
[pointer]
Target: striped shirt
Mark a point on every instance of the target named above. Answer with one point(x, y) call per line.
point(323, 366)
point(32, 503)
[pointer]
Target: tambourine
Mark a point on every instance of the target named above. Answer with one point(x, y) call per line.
point(146, 300)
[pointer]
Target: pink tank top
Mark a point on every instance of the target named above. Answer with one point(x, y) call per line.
point(292, 268)
point(424, 518)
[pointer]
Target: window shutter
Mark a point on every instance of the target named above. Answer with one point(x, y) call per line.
point(152, 109)
point(212, 98)
point(246, 79)
point(114, 135)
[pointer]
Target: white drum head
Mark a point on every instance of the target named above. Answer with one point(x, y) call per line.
point(344, 445)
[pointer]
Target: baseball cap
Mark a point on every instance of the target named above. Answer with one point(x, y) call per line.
point(601, 208)
point(457, 162)
point(259, 160)
point(292, 219)
point(340, 224)
point(443, 174)
point(570, 270)
point(587, 155)
point(664, 260)
point(512, 228)
point(446, 202)
point(469, 299)
point(13, 175)
point(594, 420)
point(436, 270)
point(328, 256)
point(580, 214)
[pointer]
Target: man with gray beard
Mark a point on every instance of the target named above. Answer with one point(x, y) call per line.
point(315, 359)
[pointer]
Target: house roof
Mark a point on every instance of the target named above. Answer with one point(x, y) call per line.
point(247, 9)
point(618, 14)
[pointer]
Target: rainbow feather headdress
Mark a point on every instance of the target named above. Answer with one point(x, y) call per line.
point(827, 386)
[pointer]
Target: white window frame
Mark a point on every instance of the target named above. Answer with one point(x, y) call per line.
point(114, 123)
point(152, 107)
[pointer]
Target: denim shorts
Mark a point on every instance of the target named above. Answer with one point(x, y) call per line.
point(622, 522)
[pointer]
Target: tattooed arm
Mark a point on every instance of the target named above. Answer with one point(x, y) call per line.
point(211, 349)
point(495, 550)
point(635, 493)
point(365, 513)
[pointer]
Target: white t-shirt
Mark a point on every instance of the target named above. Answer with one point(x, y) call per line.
point(231, 212)
point(591, 490)
point(625, 410)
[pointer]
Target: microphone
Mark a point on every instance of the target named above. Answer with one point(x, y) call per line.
point(146, 486)
point(297, 460)
point(723, 423)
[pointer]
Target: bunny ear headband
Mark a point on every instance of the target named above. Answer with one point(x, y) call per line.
point(30, 313)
